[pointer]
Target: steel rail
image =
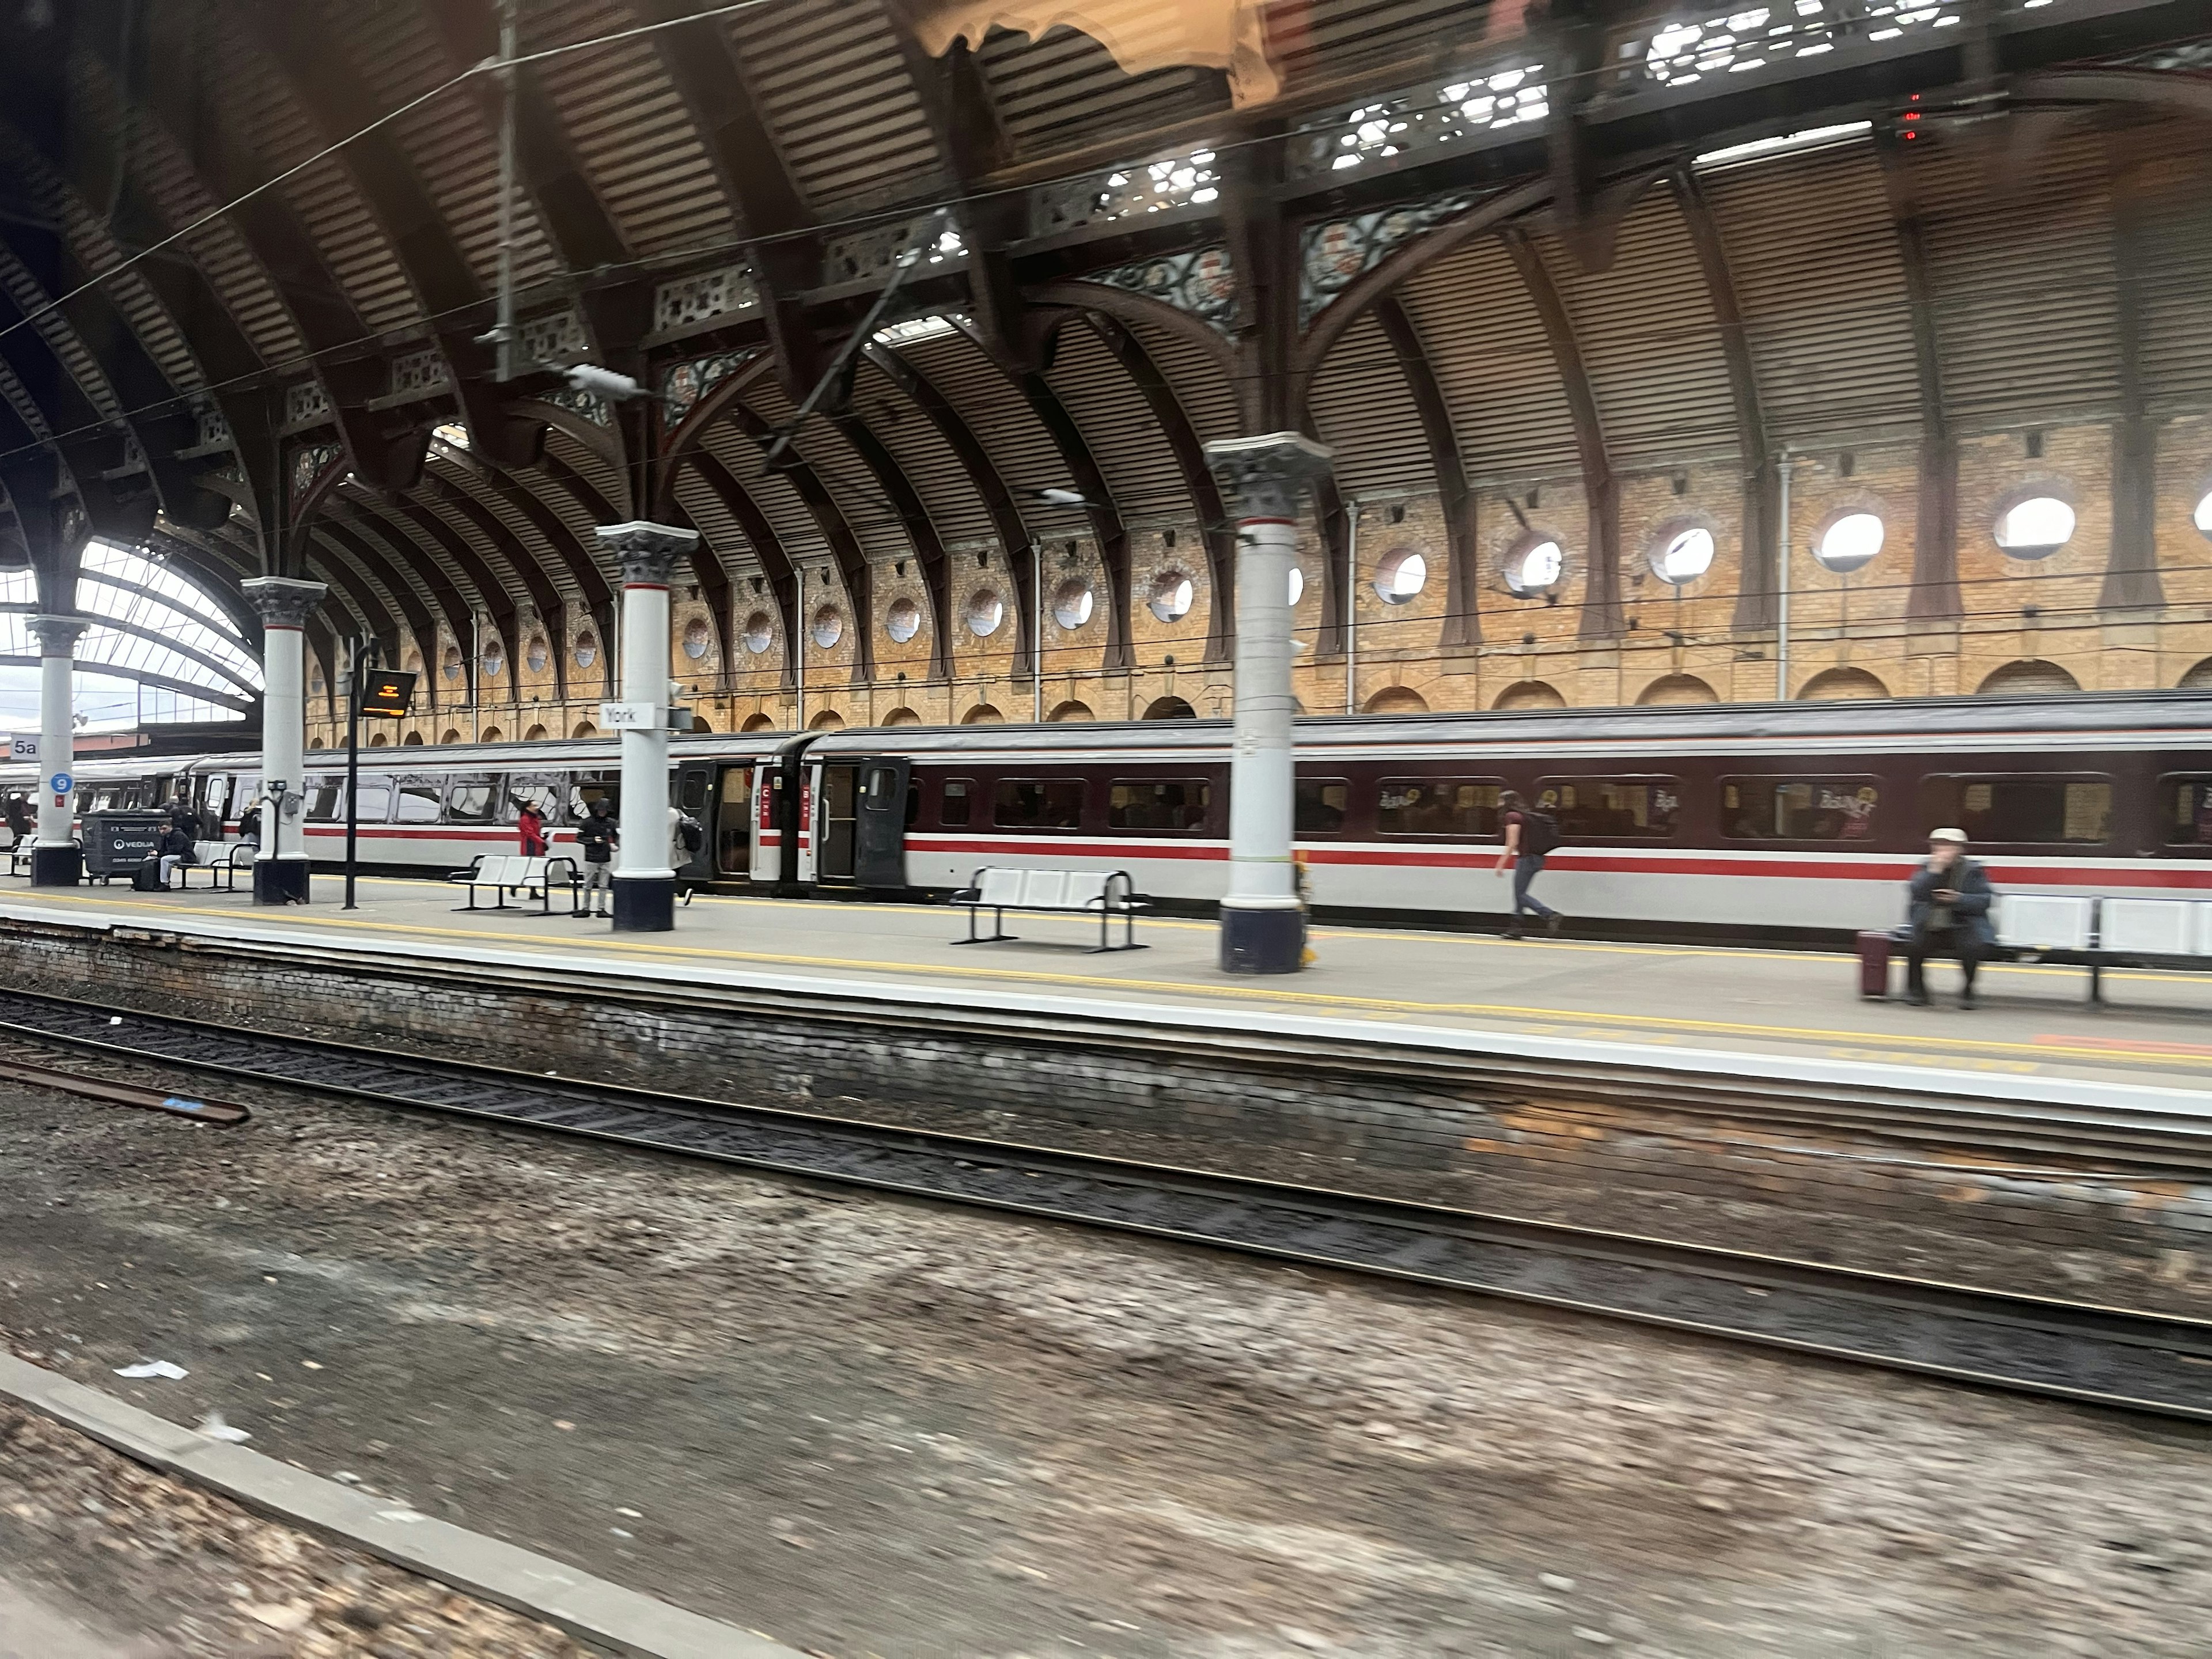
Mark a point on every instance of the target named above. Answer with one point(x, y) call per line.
point(122, 1094)
point(2126, 1359)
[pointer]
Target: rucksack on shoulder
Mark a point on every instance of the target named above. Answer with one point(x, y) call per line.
point(692, 833)
point(1540, 833)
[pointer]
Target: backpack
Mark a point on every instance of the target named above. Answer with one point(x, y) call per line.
point(1540, 833)
point(692, 833)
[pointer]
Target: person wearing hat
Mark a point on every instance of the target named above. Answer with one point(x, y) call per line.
point(1950, 899)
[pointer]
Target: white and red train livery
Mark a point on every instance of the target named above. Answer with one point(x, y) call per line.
point(1783, 818)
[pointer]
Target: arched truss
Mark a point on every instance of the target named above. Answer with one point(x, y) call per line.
point(339, 310)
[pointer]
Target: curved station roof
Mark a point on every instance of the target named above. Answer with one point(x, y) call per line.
point(251, 261)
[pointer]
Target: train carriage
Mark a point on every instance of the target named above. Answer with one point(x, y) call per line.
point(1797, 819)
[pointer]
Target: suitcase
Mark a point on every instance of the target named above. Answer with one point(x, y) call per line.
point(147, 878)
point(1874, 965)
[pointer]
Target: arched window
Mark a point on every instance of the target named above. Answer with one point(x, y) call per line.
point(2030, 677)
point(1397, 700)
point(1070, 710)
point(1529, 693)
point(902, 717)
point(758, 723)
point(982, 714)
point(1669, 689)
point(1170, 709)
point(1842, 685)
point(828, 720)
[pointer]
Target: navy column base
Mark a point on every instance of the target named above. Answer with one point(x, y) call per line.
point(56, 866)
point(280, 881)
point(645, 904)
point(1270, 941)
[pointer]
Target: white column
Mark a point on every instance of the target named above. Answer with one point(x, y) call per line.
point(55, 859)
point(280, 874)
point(1262, 924)
point(644, 881)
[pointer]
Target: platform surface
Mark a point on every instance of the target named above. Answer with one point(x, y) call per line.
point(2154, 1033)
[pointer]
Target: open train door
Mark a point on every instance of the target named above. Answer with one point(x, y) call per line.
point(879, 838)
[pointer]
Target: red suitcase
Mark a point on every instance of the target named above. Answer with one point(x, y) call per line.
point(1874, 965)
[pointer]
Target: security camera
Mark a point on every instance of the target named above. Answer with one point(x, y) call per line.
point(589, 377)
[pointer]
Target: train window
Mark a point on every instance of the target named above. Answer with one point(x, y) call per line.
point(2030, 811)
point(325, 799)
point(1320, 806)
point(543, 790)
point(1438, 806)
point(419, 800)
point(1798, 808)
point(588, 787)
point(375, 798)
point(1158, 803)
point(1620, 809)
point(469, 799)
point(877, 783)
point(953, 811)
point(692, 792)
point(1038, 803)
point(2189, 820)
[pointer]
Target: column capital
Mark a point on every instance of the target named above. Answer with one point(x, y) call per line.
point(648, 552)
point(1265, 474)
point(58, 635)
point(282, 601)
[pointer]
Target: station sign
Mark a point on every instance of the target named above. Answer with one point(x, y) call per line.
point(386, 693)
point(22, 748)
point(629, 716)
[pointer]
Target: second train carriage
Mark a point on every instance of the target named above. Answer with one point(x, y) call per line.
point(1797, 818)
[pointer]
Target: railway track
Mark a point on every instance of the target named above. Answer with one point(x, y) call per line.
point(2111, 1356)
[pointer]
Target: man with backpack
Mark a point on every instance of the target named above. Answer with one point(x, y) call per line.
point(599, 833)
point(687, 837)
point(1531, 837)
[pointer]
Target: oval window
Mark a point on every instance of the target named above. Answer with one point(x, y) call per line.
point(698, 638)
point(760, 632)
point(1849, 543)
point(538, 653)
point(494, 660)
point(2035, 528)
point(451, 667)
point(1534, 566)
point(828, 626)
point(986, 610)
point(1073, 604)
point(1298, 584)
point(587, 650)
point(1171, 596)
point(903, 621)
point(1401, 576)
point(1683, 555)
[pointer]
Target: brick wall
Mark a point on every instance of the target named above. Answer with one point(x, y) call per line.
point(1968, 1201)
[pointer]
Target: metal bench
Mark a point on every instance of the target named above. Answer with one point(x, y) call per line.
point(223, 860)
point(2070, 931)
point(505, 873)
point(1054, 892)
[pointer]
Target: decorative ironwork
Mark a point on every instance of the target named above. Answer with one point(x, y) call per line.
point(1202, 282)
point(557, 334)
point(1126, 192)
point(867, 254)
point(683, 384)
point(1440, 113)
point(1331, 256)
point(305, 403)
point(418, 372)
point(1751, 37)
point(589, 404)
point(214, 429)
point(695, 298)
point(309, 462)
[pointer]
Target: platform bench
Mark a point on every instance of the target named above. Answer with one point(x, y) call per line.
point(2070, 931)
point(223, 860)
point(1054, 892)
point(502, 874)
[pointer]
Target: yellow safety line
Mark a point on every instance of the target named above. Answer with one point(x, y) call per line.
point(1496, 1011)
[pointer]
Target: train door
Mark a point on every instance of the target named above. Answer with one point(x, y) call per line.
point(694, 797)
point(730, 830)
point(838, 847)
point(879, 852)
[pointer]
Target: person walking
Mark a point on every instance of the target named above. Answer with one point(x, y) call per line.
point(687, 837)
point(530, 829)
point(1531, 837)
point(1948, 911)
point(600, 834)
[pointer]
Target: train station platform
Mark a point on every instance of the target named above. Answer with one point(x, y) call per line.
point(1758, 1012)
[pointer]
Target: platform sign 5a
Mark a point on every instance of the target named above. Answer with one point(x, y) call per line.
point(386, 693)
point(22, 748)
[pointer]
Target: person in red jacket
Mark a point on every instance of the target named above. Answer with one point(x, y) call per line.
point(530, 827)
